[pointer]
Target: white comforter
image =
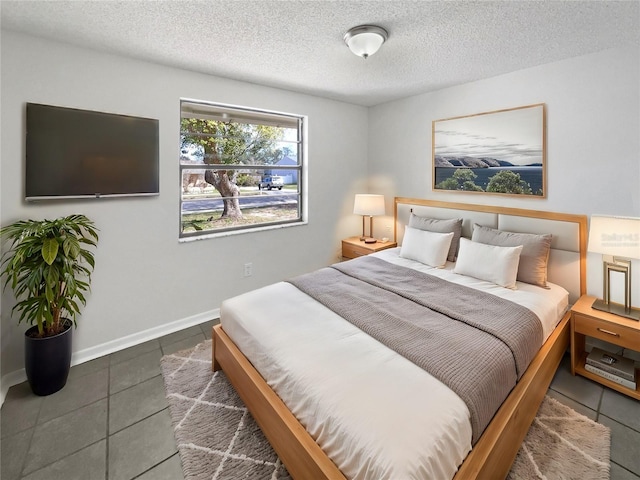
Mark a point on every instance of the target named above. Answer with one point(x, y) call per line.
point(374, 413)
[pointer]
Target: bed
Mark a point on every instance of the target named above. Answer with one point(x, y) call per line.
point(363, 410)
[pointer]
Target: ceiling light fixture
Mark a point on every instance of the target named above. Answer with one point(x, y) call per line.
point(365, 40)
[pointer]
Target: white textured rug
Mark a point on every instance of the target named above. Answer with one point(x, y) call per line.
point(218, 439)
point(563, 444)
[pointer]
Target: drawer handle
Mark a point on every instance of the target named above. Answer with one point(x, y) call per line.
point(608, 332)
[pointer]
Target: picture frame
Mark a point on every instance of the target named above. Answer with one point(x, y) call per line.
point(502, 152)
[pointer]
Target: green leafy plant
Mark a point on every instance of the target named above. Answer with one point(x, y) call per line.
point(49, 269)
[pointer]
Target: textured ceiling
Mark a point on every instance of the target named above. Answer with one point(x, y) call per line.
point(297, 45)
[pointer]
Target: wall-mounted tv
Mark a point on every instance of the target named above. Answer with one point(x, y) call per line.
point(73, 153)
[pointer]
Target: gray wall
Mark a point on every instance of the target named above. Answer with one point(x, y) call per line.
point(147, 283)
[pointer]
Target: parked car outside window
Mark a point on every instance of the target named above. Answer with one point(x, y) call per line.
point(271, 181)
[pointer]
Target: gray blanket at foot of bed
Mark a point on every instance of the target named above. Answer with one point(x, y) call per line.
point(477, 344)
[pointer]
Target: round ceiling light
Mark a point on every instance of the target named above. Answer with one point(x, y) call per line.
point(365, 40)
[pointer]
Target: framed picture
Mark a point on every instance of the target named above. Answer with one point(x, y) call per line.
point(500, 152)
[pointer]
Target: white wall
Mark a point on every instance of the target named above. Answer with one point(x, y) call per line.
point(145, 281)
point(593, 139)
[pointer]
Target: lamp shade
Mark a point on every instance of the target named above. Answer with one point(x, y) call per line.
point(365, 40)
point(367, 204)
point(617, 236)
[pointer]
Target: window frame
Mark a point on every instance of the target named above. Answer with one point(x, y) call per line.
point(202, 109)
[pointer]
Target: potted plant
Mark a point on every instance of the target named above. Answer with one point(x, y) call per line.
point(49, 270)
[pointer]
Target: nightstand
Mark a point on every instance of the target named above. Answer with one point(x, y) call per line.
point(620, 331)
point(354, 247)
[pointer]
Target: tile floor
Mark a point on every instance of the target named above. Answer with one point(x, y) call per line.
point(111, 421)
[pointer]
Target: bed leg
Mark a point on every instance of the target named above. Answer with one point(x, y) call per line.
point(215, 366)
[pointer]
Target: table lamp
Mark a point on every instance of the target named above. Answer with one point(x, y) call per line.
point(368, 205)
point(618, 240)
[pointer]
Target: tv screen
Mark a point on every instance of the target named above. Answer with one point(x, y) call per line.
point(73, 153)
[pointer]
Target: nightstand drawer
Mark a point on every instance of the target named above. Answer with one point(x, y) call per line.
point(607, 331)
point(353, 251)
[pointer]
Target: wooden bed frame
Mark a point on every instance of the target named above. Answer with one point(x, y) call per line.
point(492, 456)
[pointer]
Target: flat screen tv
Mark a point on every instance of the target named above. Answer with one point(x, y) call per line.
point(73, 153)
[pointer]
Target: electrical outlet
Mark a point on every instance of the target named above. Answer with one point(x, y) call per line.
point(248, 269)
point(388, 227)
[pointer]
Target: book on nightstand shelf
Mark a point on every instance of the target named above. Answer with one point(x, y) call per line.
point(611, 363)
point(610, 376)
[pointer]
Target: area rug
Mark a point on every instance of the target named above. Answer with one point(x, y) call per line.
point(218, 439)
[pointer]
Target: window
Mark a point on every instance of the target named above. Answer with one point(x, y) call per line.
point(240, 168)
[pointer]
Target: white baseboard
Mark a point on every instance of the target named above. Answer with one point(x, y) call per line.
point(19, 376)
point(9, 380)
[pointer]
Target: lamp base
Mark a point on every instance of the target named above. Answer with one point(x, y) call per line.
point(370, 240)
point(616, 309)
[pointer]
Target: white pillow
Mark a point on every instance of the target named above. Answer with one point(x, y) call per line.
point(494, 264)
point(430, 248)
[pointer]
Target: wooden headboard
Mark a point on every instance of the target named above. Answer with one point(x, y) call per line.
point(567, 259)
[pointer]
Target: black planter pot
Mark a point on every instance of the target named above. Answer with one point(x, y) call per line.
point(48, 360)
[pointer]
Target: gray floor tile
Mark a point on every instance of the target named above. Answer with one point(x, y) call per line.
point(90, 463)
point(621, 408)
point(577, 388)
point(131, 372)
point(14, 450)
point(133, 352)
point(578, 407)
point(170, 469)
point(207, 327)
point(136, 403)
point(68, 433)
point(87, 368)
point(619, 473)
point(77, 393)
point(180, 335)
point(624, 444)
point(20, 409)
point(136, 449)
point(183, 344)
